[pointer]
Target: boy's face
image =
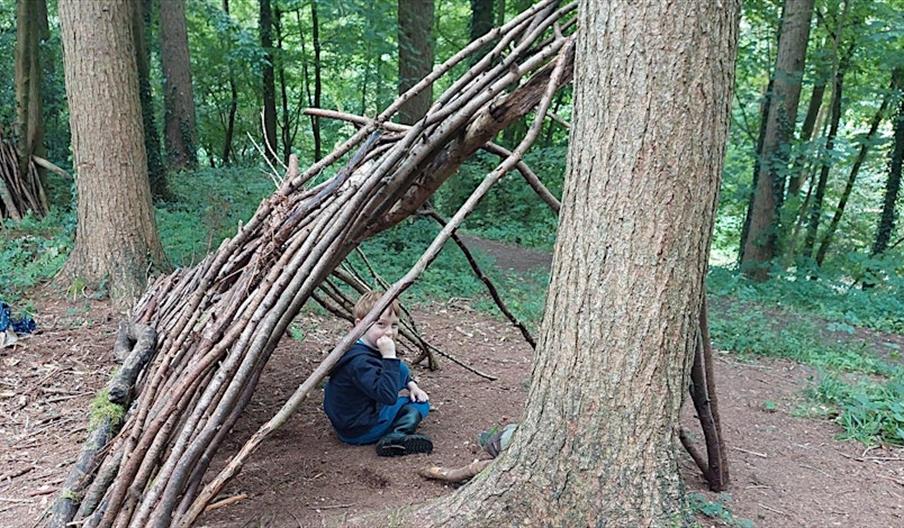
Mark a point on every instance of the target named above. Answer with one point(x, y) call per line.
point(386, 325)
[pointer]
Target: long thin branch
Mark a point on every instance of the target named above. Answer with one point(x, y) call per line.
point(494, 293)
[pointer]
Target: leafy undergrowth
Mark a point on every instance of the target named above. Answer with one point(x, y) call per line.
point(31, 252)
point(860, 381)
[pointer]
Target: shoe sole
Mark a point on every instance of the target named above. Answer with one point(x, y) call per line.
point(408, 446)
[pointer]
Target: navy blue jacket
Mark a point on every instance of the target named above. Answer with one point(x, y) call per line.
point(360, 383)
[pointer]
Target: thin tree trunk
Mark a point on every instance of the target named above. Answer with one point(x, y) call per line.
point(500, 12)
point(265, 26)
point(849, 186)
point(286, 128)
point(233, 106)
point(415, 55)
point(764, 115)
point(762, 239)
point(815, 212)
point(806, 134)
point(596, 445)
point(893, 183)
point(178, 96)
point(116, 237)
point(141, 28)
point(31, 17)
point(481, 22)
point(315, 42)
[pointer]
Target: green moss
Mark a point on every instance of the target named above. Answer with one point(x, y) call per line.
point(102, 408)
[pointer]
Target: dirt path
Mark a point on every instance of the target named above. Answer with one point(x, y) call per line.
point(787, 471)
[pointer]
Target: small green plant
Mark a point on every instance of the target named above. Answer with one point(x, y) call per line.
point(296, 332)
point(770, 406)
point(869, 411)
point(32, 251)
point(717, 509)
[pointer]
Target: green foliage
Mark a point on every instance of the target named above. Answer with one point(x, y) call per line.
point(816, 323)
point(511, 211)
point(837, 299)
point(717, 509)
point(869, 411)
point(207, 206)
point(32, 251)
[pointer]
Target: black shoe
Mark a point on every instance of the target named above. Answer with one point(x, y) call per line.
point(395, 444)
point(402, 438)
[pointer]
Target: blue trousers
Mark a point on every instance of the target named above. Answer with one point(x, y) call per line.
point(387, 413)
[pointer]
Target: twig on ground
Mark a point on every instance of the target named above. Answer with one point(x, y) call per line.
point(225, 502)
point(749, 452)
point(770, 508)
point(332, 506)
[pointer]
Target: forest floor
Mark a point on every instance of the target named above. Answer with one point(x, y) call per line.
point(786, 470)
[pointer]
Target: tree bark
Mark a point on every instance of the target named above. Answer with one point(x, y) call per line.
point(268, 86)
point(178, 97)
point(762, 239)
point(596, 445)
point(286, 125)
point(116, 237)
point(849, 186)
point(893, 183)
point(415, 55)
point(141, 29)
point(31, 17)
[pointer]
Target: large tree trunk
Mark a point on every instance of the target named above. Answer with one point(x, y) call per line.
point(141, 29)
point(762, 238)
point(597, 443)
point(415, 55)
point(31, 17)
point(893, 183)
point(268, 86)
point(116, 238)
point(178, 97)
point(481, 20)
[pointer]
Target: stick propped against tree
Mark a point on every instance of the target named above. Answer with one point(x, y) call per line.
point(219, 322)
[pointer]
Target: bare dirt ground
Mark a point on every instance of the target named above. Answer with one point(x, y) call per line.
point(787, 471)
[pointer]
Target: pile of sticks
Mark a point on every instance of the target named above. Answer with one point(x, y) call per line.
point(218, 322)
point(19, 193)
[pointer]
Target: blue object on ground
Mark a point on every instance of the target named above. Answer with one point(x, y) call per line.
point(21, 325)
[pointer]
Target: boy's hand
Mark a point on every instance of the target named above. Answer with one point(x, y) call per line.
point(417, 394)
point(386, 346)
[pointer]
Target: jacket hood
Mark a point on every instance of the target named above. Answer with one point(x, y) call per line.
point(359, 348)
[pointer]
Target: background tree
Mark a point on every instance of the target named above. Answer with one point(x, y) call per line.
point(141, 29)
point(762, 239)
point(116, 238)
point(893, 182)
point(415, 55)
point(265, 25)
point(596, 444)
point(178, 95)
point(31, 28)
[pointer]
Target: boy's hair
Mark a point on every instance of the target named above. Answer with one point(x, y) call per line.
point(367, 302)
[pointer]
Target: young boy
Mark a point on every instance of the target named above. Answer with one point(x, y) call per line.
point(362, 398)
